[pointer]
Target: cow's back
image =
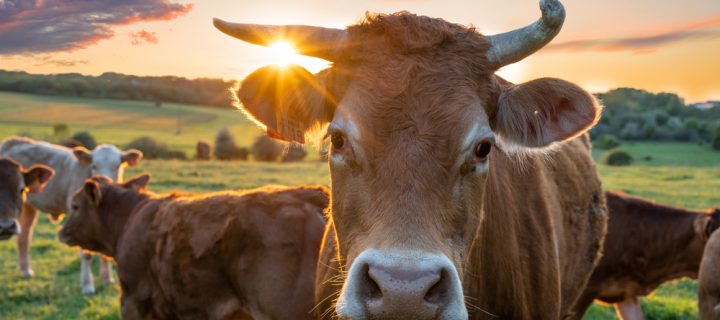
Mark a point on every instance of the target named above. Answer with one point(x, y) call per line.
point(709, 280)
point(545, 218)
point(68, 177)
point(253, 254)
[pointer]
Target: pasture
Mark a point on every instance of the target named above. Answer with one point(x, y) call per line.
point(678, 174)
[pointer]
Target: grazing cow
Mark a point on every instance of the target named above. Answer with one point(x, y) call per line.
point(646, 244)
point(15, 182)
point(709, 280)
point(226, 255)
point(72, 168)
point(455, 194)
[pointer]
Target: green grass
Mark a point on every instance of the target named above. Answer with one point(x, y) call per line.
point(678, 174)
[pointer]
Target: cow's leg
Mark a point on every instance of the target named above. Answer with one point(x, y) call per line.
point(27, 221)
point(106, 270)
point(86, 276)
point(629, 309)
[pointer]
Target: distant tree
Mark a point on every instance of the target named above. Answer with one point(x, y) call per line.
point(153, 149)
point(295, 152)
point(606, 142)
point(202, 150)
point(84, 137)
point(265, 148)
point(60, 131)
point(226, 148)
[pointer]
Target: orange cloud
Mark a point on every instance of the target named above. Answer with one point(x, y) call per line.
point(141, 36)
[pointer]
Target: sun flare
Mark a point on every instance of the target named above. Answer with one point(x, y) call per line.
point(283, 53)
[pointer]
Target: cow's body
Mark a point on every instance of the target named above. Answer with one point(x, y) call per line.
point(455, 194)
point(646, 244)
point(218, 256)
point(709, 280)
point(72, 167)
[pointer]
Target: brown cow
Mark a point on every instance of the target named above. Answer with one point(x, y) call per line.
point(450, 185)
point(219, 256)
point(709, 280)
point(646, 244)
point(15, 182)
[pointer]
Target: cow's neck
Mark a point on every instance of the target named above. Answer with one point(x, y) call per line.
point(115, 218)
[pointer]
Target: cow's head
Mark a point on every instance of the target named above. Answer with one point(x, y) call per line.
point(86, 226)
point(415, 116)
point(107, 160)
point(15, 182)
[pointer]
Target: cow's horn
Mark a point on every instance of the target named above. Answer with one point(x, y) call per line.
point(311, 41)
point(513, 46)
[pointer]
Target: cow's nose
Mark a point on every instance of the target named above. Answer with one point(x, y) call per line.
point(400, 286)
point(9, 227)
point(392, 291)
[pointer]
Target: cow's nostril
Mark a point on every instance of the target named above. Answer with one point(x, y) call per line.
point(370, 287)
point(437, 293)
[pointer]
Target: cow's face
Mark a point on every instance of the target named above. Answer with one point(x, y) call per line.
point(415, 118)
point(86, 226)
point(107, 160)
point(15, 183)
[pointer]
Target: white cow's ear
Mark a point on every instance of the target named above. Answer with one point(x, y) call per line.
point(83, 155)
point(288, 102)
point(132, 157)
point(92, 190)
point(37, 176)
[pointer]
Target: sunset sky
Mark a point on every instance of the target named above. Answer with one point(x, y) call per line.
point(650, 44)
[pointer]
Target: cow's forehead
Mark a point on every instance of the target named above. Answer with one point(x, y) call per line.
point(106, 154)
point(10, 172)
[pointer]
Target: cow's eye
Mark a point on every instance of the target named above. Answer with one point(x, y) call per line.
point(75, 207)
point(337, 139)
point(482, 150)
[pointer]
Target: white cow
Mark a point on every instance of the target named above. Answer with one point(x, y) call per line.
point(72, 167)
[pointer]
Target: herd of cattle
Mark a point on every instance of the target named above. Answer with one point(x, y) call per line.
point(454, 194)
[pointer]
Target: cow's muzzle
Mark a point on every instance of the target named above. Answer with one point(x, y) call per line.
point(402, 285)
point(8, 228)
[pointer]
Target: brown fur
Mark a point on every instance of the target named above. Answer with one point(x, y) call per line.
point(524, 237)
point(709, 280)
point(227, 255)
point(646, 245)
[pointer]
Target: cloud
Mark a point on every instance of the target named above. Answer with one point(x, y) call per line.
point(43, 61)
point(40, 26)
point(702, 30)
point(141, 36)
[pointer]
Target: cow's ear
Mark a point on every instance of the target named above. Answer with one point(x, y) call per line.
point(288, 101)
point(540, 112)
point(92, 190)
point(704, 227)
point(138, 183)
point(83, 155)
point(132, 157)
point(37, 176)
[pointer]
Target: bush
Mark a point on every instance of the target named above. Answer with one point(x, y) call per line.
point(202, 150)
point(295, 152)
point(153, 149)
point(87, 140)
point(618, 158)
point(266, 149)
point(60, 131)
point(226, 148)
point(606, 142)
point(715, 138)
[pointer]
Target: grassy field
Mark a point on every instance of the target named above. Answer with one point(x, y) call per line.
point(679, 174)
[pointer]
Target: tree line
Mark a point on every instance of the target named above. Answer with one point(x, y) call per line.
point(110, 85)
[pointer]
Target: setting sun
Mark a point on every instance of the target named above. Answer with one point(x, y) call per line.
point(283, 53)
